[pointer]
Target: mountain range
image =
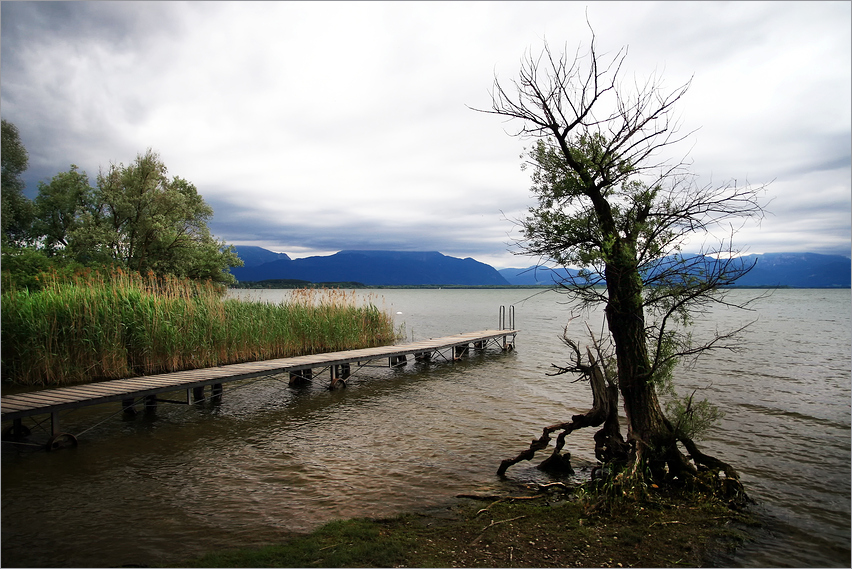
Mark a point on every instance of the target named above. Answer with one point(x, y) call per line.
point(412, 268)
point(383, 268)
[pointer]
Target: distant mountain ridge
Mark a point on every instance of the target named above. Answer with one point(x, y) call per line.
point(536, 275)
point(796, 270)
point(255, 256)
point(385, 268)
point(411, 268)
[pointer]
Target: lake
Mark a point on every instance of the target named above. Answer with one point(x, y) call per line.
point(270, 459)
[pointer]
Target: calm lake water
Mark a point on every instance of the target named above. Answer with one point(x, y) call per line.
point(270, 460)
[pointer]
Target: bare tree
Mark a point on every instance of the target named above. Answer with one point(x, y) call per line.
point(613, 202)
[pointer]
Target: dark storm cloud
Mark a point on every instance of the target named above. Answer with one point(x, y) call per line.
point(44, 47)
point(315, 127)
point(117, 24)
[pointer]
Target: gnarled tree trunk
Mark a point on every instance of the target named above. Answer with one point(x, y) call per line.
point(649, 432)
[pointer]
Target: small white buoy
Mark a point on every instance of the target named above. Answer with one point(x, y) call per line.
point(399, 312)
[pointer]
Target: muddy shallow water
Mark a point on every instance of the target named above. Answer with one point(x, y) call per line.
point(270, 459)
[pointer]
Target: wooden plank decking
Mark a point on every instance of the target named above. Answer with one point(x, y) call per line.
point(15, 407)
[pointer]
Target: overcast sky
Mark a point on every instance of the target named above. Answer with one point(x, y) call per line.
point(320, 126)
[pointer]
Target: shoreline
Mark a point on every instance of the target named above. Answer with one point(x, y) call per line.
point(549, 528)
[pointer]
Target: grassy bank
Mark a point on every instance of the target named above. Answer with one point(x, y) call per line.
point(550, 530)
point(95, 326)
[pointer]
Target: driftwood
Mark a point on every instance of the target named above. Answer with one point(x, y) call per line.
point(609, 443)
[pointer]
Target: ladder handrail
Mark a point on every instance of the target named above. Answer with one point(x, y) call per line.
point(502, 317)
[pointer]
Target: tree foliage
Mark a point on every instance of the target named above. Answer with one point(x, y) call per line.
point(136, 217)
point(60, 207)
point(613, 202)
point(16, 209)
point(150, 222)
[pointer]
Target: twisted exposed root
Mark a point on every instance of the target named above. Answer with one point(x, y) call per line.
point(604, 411)
point(715, 476)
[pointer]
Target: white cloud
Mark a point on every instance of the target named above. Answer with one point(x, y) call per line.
point(314, 126)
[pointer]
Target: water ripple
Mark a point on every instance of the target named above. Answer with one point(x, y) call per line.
point(271, 459)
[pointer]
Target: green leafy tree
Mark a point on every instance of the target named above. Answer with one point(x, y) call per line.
point(610, 202)
point(60, 207)
point(149, 222)
point(16, 209)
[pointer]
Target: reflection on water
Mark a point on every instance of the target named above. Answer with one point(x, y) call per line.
point(270, 459)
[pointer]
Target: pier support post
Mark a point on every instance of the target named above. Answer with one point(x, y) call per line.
point(216, 392)
point(507, 345)
point(151, 404)
point(54, 423)
point(17, 431)
point(127, 407)
point(339, 374)
point(58, 439)
point(301, 376)
point(341, 371)
point(459, 351)
point(198, 394)
point(398, 360)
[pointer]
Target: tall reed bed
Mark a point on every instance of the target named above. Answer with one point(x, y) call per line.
point(94, 326)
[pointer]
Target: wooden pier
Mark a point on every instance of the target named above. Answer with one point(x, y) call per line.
point(146, 390)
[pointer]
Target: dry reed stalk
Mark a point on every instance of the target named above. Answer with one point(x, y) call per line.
point(103, 326)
